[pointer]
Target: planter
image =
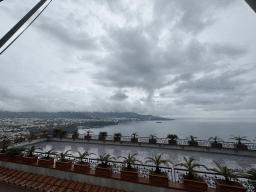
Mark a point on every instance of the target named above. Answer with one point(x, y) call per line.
point(29, 160)
point(63, 165)
point(240, 146)
point(134, 140)
point(172, 142)
point(158, 180)
point(152, 141)
point(4, 157)
point(82, 168)
point(130, 176)
point(216, 145)
point(228, 188)
point(117, 138)
point(192, 185)
point(192, 143)
point(103, 171)
point(46, 163)
point(88, 137)
point(102, 138)
point(15, 158)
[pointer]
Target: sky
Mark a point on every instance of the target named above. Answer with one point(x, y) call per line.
point(171, 58)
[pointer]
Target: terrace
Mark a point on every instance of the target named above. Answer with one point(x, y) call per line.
point(204, 154)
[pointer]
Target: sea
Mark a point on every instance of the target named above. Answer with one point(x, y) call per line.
point(184, 127)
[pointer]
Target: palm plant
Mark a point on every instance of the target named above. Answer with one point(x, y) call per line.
point(134, 135)
point(158, 161)
point(216, 139)
point(88, 132)
point(239, 139)
point(83, 155)
point(4, 147)
point(251, 175)
point(172, 136)
point(118, 134)
point(32, 150)
point(48, 153)
point(192, 138)
point(15, 151)
point(226, 172)
point(103, 134)
point(63, 155)
point(190, 166)
point(104, 159)
point(152, 136)
point(130, 160)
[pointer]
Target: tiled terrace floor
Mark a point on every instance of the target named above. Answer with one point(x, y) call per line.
point(176, 156)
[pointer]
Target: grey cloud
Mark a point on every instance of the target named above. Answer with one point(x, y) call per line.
point(119, 96)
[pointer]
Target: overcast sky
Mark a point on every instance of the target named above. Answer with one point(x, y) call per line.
point(171, 58)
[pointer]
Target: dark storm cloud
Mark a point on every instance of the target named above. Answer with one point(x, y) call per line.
point(119, 96)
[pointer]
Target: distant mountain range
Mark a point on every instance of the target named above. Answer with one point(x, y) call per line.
point(79, 115)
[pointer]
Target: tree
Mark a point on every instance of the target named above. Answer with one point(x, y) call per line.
point(83, 155)
point(158, 161)
point(130, 160)
point(104, 159)
point(239, 139)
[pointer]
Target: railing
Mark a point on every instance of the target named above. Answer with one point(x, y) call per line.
point(174, 173)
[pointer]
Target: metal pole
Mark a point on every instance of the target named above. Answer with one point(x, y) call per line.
point(20, 23)
point(252, 4)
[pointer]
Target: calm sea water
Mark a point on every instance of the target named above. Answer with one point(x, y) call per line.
point(201, 128)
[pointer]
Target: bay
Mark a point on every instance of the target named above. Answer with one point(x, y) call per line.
point(184, 127)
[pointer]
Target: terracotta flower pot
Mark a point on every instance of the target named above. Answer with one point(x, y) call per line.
point(131, 176)
point(46, 163)
point(192, 185)
point(4, 157)
point(82, 168)
point(29, 160)
point(15, 158)
point(158, 180)
point(152, 141)
point(103, 171)
point(87, 137)
point(228, 188)
point(134, 140)
point(192, 143)
point(63, 165)
point(102, 138)
point(172, 142)
point(117, 138)
point(240, 146)
point(216, 145)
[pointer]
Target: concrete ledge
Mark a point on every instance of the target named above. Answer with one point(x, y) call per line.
point(111, 183)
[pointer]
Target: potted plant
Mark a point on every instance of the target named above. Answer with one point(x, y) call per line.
point(88, 135)
point(6, 138)
point(191, 181)
point(75, 135)
point(152, 140)
point(129, 173)
point(239, 145)
point(3, 154)
point(173, 138)
point(81, 166)
point(48, 161)
point(103, 169)
point(64, 164)
point(251, 175)
point(227, 185)
point(15, 155)
point(134, 139)
point(103, 135)
point(215, 144)
point(30, 159)
point(44, 135)
point(158, 178)
point(192, 141)
point(117, 136)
